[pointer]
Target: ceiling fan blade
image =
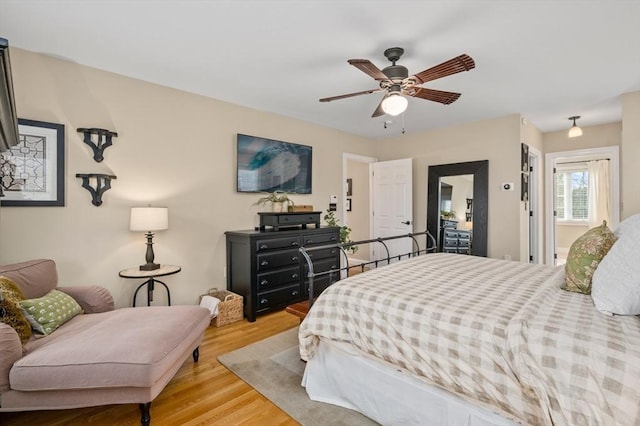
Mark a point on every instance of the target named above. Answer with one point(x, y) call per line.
point(436, 95)
point(349, 95)
point(452, 66)
point(369, 68)
point(379, 111)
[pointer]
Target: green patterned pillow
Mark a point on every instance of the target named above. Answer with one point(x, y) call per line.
point(10, 313)
point(50, 311)
point(584, 256)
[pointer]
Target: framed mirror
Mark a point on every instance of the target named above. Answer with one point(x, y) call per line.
point(439, 178)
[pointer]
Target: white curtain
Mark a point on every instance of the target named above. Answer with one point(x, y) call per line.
point(599, 192)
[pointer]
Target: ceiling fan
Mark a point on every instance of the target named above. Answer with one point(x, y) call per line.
point(395, 81)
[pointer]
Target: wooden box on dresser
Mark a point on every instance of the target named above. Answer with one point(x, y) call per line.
point(267, 269)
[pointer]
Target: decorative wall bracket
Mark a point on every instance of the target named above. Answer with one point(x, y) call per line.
point(101, 182)
point(98, 146)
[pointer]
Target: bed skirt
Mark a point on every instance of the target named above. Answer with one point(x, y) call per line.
point(386, 394)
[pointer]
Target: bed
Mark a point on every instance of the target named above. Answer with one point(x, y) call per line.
point(465, 340)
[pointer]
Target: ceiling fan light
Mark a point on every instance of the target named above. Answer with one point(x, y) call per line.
point(394, 104)
point(575, 131)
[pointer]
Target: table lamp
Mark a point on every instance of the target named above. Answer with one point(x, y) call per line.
point(149, 219)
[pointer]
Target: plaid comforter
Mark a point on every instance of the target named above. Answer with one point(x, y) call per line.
point(500, 334)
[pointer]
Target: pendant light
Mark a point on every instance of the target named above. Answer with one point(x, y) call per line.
point(575, 131)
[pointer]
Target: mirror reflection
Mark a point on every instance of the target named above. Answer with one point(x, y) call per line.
point(456, 214)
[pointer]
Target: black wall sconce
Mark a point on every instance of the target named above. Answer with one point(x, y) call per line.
point(103, 141)
point(102, 184)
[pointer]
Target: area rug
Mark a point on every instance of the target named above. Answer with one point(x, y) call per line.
point(273, 368)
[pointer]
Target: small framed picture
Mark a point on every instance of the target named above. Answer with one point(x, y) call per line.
point(524, 187)
point(524, 158)
point(32, 172)
point(348, 204)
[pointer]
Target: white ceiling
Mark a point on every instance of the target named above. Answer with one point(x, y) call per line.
point(547, 60)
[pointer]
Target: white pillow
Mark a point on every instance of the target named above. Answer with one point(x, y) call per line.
point(616, 282)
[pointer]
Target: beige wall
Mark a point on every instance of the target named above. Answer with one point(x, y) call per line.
point(567, 234)
point(630, 154)
point(592, 137)
point(178, 150)
point(174, 149)
point(358, 217)
point(496, 140)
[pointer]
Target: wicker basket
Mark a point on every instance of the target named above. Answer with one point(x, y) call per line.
point(230, 308)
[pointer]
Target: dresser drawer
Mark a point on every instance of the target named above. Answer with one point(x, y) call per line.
point(464, 243)
point(278, 259)
point(277, 243)
point(450, 233)
point(275, 298)
point(324, 253)
point(279, 278)
point(319, 285)
point(298, 219)
point(314, 239)
point(450, 242)
point(323, 266)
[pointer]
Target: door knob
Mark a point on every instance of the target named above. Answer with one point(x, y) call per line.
point(408, 222)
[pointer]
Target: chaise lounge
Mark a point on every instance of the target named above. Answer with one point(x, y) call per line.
point(100, 357)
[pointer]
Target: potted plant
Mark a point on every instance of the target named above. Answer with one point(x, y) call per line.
point(331, 220)
point(447, 214)
point(279, 200)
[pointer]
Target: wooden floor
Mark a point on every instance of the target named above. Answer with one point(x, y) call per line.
point(205, 393)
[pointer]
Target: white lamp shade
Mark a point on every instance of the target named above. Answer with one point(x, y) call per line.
point(394, 104)
point(575, 131)
point(149, 219)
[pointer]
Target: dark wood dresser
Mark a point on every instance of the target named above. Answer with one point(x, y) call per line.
point(267, 269)
point(453, 240)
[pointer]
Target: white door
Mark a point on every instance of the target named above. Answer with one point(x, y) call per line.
point(392, 183)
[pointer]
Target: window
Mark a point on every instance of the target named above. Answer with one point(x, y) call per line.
point(572, 194)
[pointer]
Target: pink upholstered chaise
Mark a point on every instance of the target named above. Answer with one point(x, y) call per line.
point(101, 357)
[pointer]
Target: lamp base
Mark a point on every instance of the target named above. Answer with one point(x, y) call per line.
point(149, 267)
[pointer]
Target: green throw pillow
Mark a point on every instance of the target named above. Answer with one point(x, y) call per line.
point(10, 312)
point(584, 256)
point(50, 311)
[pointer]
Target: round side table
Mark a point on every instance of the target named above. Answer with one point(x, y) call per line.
point(151, 280)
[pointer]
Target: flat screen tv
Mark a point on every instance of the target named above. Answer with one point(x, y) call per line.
point(267, 165)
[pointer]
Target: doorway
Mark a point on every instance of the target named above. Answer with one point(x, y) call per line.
point(356, 196)
point(568, 212)
point(532, 248)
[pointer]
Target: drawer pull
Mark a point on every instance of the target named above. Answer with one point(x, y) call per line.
point(309, 241)
point(264, 263)
point(295, 292)
point(294, 243)
point(294, 276)
point(263, 246)
point(264, 301)
point(264, 282)
point(334, 239)
point(334, 251)
point(294, 259)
